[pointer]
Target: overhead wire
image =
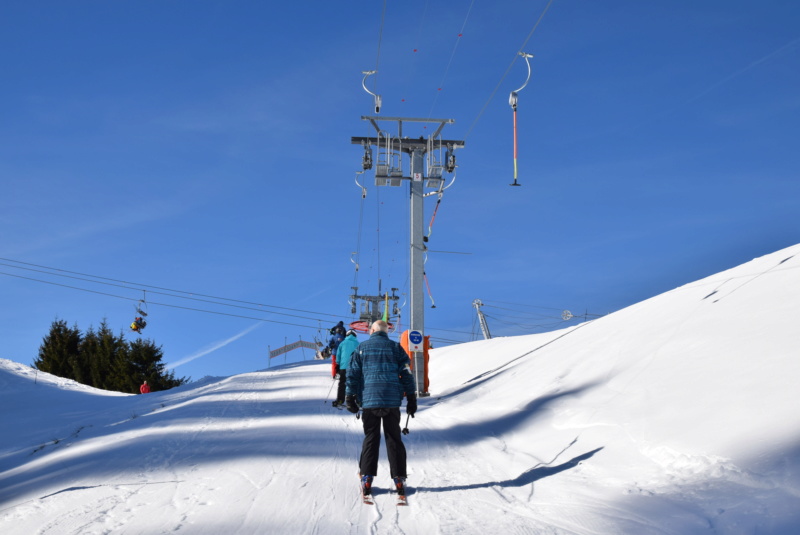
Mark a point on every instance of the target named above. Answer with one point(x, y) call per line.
point(474, 333)
point(193, 296)
point(446, 340)
point(525, 325)
point(526, 305)
point(410, 76)
point(450, 61)
point(378, 231)
point(441, 85)
point(508, 70)
point(161, 304)
point(380, 40)
point(375, 90)
point(522, 312)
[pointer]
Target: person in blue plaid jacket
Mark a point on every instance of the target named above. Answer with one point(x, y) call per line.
point(378, 377)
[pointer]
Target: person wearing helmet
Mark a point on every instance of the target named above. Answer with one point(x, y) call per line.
point(346, 348)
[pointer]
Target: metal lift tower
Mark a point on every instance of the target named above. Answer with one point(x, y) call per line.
point(439, 155)
point(371, 307)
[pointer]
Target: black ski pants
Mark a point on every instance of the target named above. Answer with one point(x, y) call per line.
point(342, 384)
point(395, 448)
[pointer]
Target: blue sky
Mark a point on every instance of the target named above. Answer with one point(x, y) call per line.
point(204, 147)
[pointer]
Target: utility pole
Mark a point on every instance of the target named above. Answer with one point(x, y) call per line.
point(482, 319)
point(439, 154)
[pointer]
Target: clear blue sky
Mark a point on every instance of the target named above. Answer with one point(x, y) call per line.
point(205, 147)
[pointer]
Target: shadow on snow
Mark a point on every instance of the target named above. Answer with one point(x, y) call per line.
point(525, 478)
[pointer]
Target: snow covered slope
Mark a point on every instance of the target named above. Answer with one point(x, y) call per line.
point(676, 415)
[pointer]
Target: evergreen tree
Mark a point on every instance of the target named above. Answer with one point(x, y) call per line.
point(59, 350)
point(145, 359)
point(90, 347)
point(109, 357)
point(104, 360)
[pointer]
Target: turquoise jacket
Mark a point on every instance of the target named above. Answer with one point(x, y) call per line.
point(379, 373)
point(344, 351)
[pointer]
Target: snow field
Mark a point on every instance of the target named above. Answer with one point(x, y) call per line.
point(676, 415)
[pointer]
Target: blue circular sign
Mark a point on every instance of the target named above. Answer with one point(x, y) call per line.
point(415, 337)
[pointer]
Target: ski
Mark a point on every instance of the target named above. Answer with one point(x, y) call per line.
point(400, 491)
point(366, 491)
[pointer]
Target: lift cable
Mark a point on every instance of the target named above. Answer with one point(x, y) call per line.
point(521, 305)
point(380, 39)
point(166, 304)
point(378, 56)
point(508, 70)
point(525, 313)
point(139, 301)
point(452, 55)
point(139, 286)
point(527, 326)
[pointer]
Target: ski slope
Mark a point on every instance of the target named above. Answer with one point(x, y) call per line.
point(677, 415)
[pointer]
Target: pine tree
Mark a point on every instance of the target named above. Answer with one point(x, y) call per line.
point(109, 357)
point(89, 350)
point(104, 360)
point(145, 358)
point(59, 351)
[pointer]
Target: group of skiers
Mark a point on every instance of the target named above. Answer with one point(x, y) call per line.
point(374, 376)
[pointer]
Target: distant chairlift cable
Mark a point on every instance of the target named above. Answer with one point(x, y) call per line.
point(194, 296)
point(164, 304)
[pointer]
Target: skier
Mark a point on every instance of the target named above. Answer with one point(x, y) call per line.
point(377, 376)
point(337, 335)
point(138, 324)
point(346, 349)
point(145, 388)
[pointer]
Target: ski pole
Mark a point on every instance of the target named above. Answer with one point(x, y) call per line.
point(405, 429)
point(329, 391)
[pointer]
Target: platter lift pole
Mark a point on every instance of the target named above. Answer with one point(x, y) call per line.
point(391, 148)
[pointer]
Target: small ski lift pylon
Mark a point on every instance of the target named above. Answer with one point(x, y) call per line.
point(512, 101)
point(377, 98)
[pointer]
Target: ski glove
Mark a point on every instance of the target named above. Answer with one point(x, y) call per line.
point(411, 405)
point(350, 404)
